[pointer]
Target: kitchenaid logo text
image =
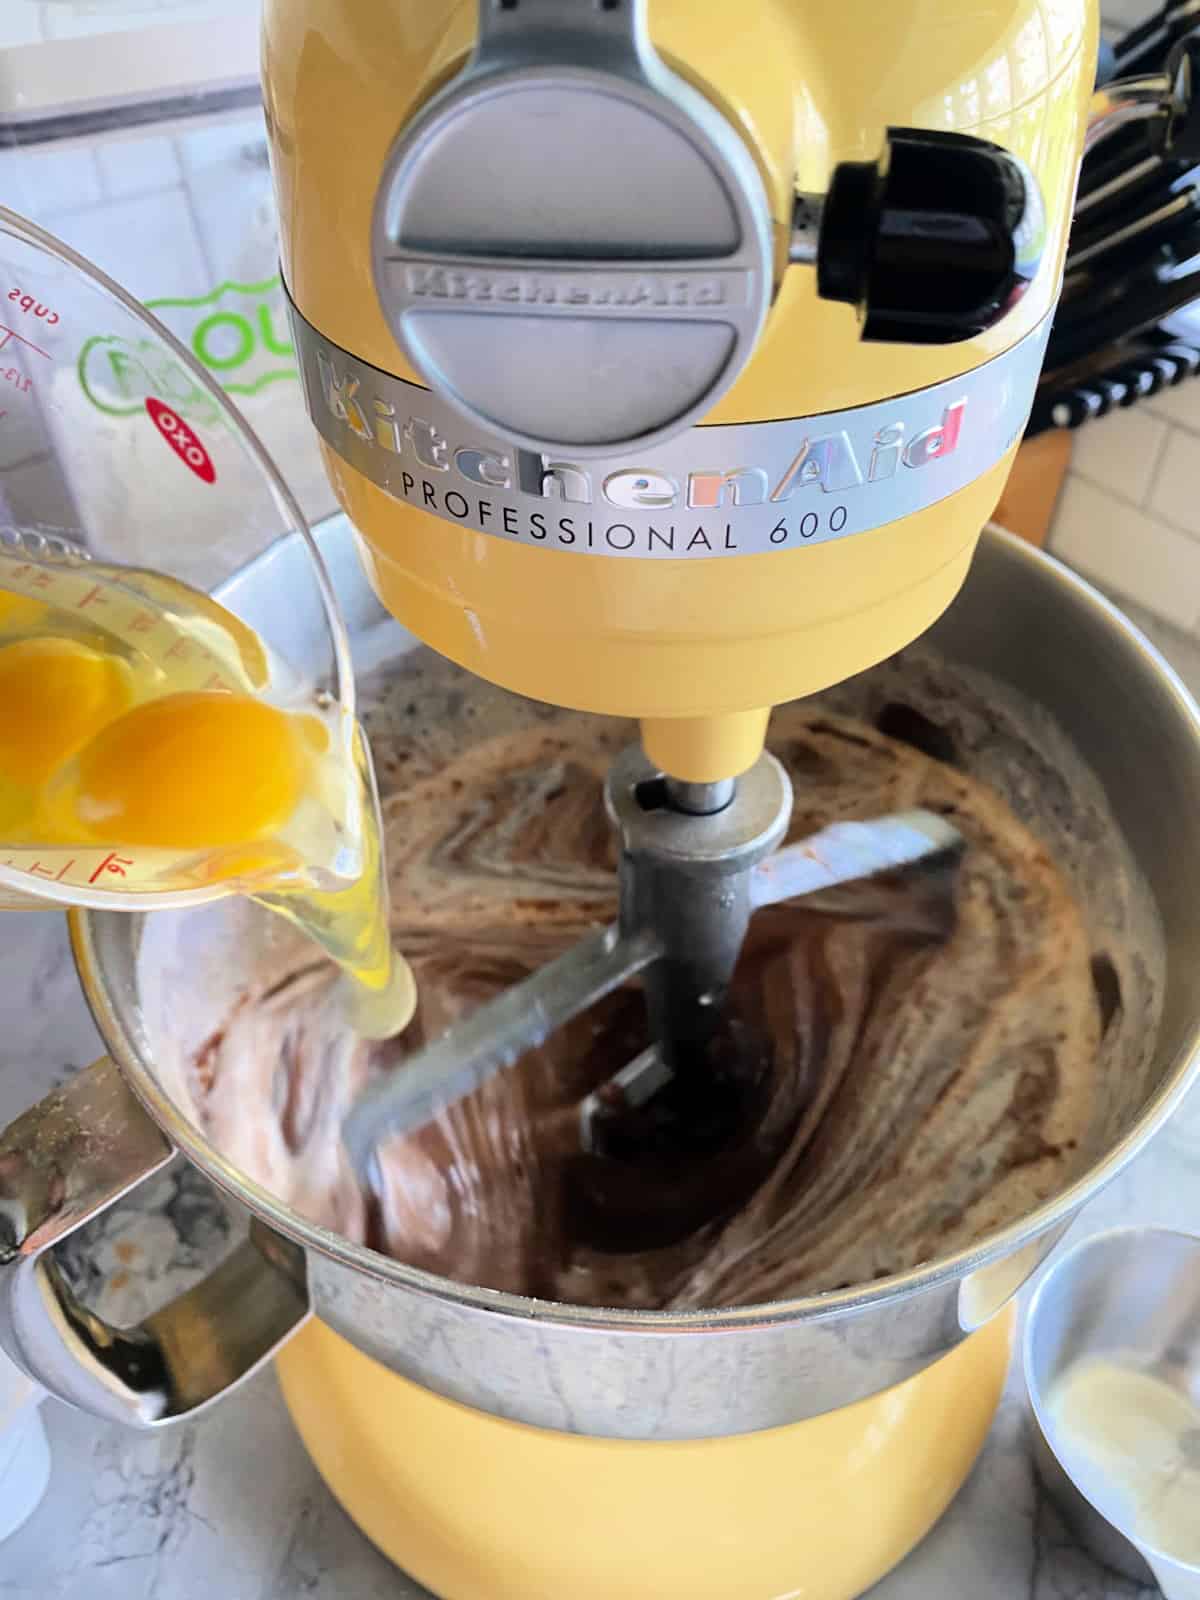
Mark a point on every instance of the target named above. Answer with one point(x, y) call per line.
point(712, 491)
point(828, 462)
point(572, 289)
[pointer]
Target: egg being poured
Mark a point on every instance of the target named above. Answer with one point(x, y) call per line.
point(147, 746)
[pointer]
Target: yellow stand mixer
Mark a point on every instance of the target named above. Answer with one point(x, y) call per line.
point(668, 359)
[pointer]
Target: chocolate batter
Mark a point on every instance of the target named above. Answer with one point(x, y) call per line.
point(908, 1063)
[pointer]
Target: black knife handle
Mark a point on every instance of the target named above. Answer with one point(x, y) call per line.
point(1186, 358)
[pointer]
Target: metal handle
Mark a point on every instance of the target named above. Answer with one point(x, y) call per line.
point(619, 25)
point(63, 1163)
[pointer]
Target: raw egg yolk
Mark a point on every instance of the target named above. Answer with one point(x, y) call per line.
point(55, 694)
point(18, 611)
point(191, 771)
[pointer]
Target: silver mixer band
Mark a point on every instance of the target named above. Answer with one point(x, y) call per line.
point(722, 489)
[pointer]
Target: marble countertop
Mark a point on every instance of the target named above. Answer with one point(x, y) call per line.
point(229, 1507)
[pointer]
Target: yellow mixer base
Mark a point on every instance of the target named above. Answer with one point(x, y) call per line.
point(480, 1509)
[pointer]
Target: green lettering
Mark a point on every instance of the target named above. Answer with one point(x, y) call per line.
point(243, 350)
point(121, 365)
point(266, 331)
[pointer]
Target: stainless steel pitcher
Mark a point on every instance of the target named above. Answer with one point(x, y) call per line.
point(1022, 618)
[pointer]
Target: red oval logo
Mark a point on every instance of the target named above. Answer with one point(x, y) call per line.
point(182, 440)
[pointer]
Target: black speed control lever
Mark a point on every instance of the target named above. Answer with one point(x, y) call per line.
point(933, 243)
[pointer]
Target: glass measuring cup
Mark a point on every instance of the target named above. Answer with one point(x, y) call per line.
point(118, 450)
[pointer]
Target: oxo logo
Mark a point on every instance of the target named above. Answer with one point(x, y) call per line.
point(181, 439)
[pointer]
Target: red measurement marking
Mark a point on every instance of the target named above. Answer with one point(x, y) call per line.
point(48, 872)
point(11, 333)
point(112, 863)
point(94, 596)
point(33, 308)
point(177, 434)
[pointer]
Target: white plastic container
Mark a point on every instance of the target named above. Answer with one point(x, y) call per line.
point(1182, 1131)
point(24, 1450)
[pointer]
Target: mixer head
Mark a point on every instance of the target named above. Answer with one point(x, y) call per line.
point(582, 250)
point(601, 300)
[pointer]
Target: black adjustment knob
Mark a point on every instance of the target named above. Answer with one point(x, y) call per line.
point(933, 243)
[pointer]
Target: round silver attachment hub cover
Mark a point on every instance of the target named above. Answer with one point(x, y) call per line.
point(571, 244)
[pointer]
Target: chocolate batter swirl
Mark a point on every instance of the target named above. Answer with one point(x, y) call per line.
point(914, 1061)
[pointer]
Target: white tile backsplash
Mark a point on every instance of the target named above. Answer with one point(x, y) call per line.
point(1129, 551)
point(1121, 453)
point(1175, 497)
point(221, 163)
point(1179, 406)
point(223, 145)
point(1129, 513)
point(43, 183)
point(137, 166)
point(149, 244)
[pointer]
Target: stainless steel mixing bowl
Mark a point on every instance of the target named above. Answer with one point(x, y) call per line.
point(1021, 617)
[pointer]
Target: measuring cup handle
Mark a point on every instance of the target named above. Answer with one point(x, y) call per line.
point(63, 1163)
